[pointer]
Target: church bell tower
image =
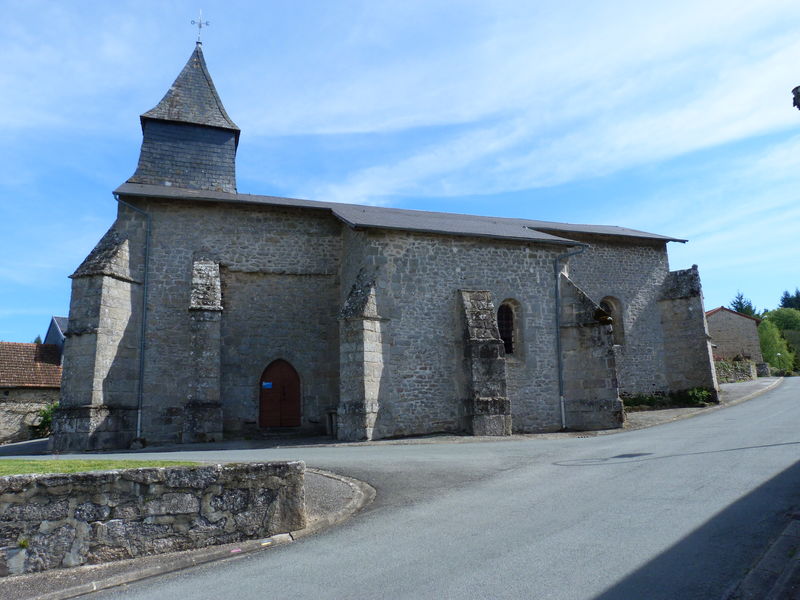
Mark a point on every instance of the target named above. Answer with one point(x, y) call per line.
point(189, 141)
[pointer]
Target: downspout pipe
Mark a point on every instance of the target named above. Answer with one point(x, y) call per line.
point(143, 328)
point(559, 360)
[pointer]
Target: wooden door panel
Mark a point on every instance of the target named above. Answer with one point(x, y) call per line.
point(280, 402)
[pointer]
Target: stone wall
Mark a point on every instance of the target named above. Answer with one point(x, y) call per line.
point(425, 379)
point(731, 371)
point(19, 409)
point(278, 279)
point(100, 378)
point(687, 347)
point(591, 393)
point(632, 272)
point(734, 335)
point(361, 370)
point(487, 407)
point(278, 297)
point(665, 345)
point(65, 520)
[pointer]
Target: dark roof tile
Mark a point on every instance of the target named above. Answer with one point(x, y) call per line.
point(378, 217)
point(193, 98)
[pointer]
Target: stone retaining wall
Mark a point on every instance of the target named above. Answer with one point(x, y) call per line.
point(65, 520)
point(736, 370)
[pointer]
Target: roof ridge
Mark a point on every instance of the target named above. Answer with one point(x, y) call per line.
point(408, 218)
point(714, 311)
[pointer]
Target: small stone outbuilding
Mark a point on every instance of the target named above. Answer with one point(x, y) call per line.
point(30, 378)
point(734, 334)
point(205, 313)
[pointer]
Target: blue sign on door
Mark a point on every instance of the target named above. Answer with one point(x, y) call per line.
point(267, 385)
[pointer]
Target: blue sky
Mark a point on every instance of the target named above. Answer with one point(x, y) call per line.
point(674, 118)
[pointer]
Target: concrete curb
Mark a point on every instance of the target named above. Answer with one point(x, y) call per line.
point(777, 574)
point(363, 494)
point(752, 395)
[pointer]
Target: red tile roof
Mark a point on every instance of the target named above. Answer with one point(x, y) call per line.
point(29, 365)
point(716, 310)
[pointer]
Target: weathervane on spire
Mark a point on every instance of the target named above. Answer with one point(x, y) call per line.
point(200, 24)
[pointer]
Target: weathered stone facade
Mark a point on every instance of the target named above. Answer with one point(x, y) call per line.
point(30, 377)
point(734, 334)
point(66, 520)
point(388, 317)
point(19, 410)
point(731, 371)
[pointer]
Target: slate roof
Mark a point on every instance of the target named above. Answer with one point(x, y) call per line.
point(377, 217)
point(61, 322)
point(193, 98)
point(30, 365)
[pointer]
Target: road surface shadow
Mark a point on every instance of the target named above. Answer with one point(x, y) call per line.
point(714, 558)
point(645, 456)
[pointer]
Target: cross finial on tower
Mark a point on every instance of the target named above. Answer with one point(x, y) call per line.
point(200, 24)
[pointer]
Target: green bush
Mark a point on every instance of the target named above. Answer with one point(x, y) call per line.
point(784, 318)
point(44, 427)
point(698, 396)
point(694, 397)
point(773, 347)
point(793, 341)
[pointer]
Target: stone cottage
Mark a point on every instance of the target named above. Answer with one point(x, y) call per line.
point(30, 377)
point(734, 334)
point(205, 313)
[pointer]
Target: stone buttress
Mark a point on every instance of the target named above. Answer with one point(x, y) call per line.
point(202, 414)
point(361, 362)
point(591, 393)
point(487, 406)
point(689, 359)
point(97, 408)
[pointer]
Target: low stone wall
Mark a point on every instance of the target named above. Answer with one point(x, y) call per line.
point(65, 520)
point(731, 371)
point(19, 409)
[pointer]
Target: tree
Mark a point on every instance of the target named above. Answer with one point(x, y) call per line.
point(37, 340)
point(786, 319)
point(743, 305)
point(774, 347)
point(791, 300)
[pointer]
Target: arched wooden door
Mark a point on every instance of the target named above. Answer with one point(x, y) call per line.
point(280, 396)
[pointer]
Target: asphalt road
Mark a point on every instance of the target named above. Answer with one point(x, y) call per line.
point(681, 510)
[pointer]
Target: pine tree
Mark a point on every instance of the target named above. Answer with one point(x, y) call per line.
point(791, 300)
point(37, 340)
point(743, 305)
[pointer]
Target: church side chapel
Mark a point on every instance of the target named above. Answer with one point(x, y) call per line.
point(204, 314)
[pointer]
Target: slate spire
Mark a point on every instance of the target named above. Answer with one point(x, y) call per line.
point(189, 141)
point(193, 97)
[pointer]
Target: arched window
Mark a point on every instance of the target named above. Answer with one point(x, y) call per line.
point(613, 308)
point(505, 323)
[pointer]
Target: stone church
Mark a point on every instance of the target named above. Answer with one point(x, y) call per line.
point(204, 313)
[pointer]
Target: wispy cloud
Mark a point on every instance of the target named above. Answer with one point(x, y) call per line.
point(440, 98)
point(588, 97)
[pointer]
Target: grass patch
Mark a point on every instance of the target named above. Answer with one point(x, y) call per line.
point(19, 466)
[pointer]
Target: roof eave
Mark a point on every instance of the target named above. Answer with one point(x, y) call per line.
point(640, 235)
point(555, 240)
